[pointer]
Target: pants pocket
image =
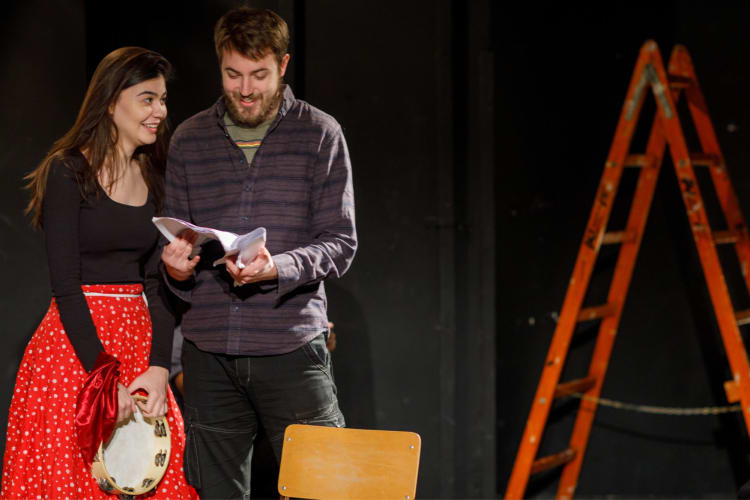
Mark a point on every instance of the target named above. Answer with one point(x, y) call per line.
point(330, 416)
point(317, 352)
point(217, 458)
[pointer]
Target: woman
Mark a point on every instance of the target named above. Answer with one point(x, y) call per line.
point(94, 195)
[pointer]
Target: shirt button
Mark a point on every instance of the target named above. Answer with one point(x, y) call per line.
point(242, 160)
point(244, 218)
point(248, 188)
point(236, 308)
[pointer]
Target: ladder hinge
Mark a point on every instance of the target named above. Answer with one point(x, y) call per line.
point(679, 82)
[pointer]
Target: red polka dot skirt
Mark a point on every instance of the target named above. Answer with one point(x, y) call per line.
point(42, 458)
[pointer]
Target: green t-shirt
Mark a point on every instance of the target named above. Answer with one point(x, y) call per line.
point(247, 139)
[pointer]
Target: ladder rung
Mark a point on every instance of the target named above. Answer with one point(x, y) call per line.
point(742, 317)
point(679, 82)
point(596, 312)
point(580, 385)
point(614, 237)
point(703, 160)
point(638, 161)
point(552, 461)
point(732, 390)
point(723, 237)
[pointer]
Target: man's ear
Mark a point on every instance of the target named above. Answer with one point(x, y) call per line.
point(284, 62)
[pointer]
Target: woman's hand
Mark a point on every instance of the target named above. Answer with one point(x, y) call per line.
point(154, 381)
point(176, 256)
point(125, 403)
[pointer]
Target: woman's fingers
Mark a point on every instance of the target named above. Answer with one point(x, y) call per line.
point(125, 403)
point(154, 382)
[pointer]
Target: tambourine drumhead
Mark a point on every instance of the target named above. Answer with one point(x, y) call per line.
point(135, 457)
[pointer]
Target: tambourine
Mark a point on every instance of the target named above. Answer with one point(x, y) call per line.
point(135, 457)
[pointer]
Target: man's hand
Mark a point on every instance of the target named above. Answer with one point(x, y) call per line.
point(176, 256)
point(154, 381)
point(261, 268)
point(331, 342)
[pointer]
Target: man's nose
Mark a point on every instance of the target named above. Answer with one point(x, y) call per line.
point(246, 87)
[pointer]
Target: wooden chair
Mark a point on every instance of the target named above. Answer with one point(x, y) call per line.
point(334, 463)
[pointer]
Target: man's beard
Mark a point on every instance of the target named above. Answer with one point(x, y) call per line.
point(241, 117)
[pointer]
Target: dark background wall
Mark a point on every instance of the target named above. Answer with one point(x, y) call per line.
point(478, 133)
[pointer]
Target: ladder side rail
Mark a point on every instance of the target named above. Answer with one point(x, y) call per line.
point(703, 236)
point(579, 280)
point(619, 286)
point(710, 145)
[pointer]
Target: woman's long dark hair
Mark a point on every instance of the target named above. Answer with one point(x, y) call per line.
point(94, 132)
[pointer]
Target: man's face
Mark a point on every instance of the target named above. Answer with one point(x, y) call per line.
point(252, 87)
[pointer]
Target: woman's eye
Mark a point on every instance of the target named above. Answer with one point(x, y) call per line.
point(149, 100)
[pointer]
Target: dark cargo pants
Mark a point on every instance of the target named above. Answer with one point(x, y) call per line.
point(226, 396)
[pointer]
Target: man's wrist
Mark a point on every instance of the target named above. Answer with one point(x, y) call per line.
point(177, 275)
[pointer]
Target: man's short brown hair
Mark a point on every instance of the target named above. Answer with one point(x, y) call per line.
point(252, 32)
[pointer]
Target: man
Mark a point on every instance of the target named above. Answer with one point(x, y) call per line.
point(255, 347)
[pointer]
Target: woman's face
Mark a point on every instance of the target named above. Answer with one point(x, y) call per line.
point(137, 113)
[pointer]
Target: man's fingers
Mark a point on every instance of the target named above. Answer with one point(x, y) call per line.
point(186, 250)
point(232, 268)
point(258, 269)
point(178, 249)
point(190, 236)
point(176, 258)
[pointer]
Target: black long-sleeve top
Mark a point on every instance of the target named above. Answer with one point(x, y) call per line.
point(96, 240)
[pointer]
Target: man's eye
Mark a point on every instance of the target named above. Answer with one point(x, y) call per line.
point(233, 76)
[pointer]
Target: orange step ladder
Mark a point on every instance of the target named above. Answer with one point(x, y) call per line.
point(649, 74)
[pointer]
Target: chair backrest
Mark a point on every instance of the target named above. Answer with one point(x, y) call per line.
point(330, 462)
